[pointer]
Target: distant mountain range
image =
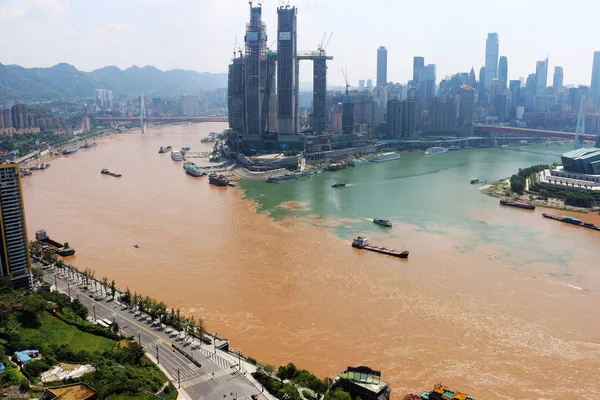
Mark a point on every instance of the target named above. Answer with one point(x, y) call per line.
point(64, 81)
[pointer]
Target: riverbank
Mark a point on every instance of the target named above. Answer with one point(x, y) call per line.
point(501, 189)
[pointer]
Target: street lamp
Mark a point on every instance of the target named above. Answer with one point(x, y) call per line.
point(94, 308)
point(139, 335)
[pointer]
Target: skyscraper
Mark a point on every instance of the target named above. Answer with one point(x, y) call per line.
point(515, 92)
point(465, 111)
point(381, 66)
point(236, 94)
point(14, 247)
point(287, 64)
point(472, 78)
point(557, 83)
point(481, 87)
point(595, 88)
point(256, 71)
point(320, 94)
point(541, 77)
point(418, 64)
point(361, 85)
point(492, 45)
point(503, 73)
point(19, 116)
point(369, 84)
point(394, 118)
point(7, 117)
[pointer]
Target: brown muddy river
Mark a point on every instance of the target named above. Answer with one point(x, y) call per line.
point(292, 289)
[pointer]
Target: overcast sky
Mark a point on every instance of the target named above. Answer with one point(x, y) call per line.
point(199, 34)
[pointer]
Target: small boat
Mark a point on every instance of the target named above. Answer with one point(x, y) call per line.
point(136, 246)
point(164, 149)
point(176, 155)
point(336, 166)
point(473, 181)
point(218, 180)
point(383, 222)
point(435, 150)
point(105, 171)
point(338, 184)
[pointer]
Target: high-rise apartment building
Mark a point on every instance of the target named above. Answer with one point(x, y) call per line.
point(418, 64)
point(503, 73)
point(369, 84)
point(492, 46)
point(381, 66)
point(157, 107)
point(595, 88)
point(189, 104)
point(19, 116)
point(14, 247)
point(361, 85)
point(104, 98)
point(441, 116)
point(394, 118)
point(557, 82)
point(287, 68)
point(466, 107)
point(541, 77)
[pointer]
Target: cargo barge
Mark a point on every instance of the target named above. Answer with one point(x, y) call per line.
point(441, 392)
point(573, 221)
point(107, 172)
point(363, 244)
point(518, 204)
point(60, 249)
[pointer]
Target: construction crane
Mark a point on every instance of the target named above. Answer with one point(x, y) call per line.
point(234, 45)
point(580, 127)
point(345, 73)
point(323, 45)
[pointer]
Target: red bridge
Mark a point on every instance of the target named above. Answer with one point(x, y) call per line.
point(528, 132)
point(163, 119)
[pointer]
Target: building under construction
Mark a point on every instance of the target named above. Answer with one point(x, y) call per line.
point(265, 119)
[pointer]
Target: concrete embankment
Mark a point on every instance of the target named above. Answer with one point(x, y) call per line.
point(243, 173)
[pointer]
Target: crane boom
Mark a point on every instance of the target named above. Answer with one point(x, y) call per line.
point(328, 39)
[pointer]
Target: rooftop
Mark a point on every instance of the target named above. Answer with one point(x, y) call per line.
point(365, 377)
point(77, 391)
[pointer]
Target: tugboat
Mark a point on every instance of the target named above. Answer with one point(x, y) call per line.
point(363, 244)
point(473, 181)
point(218, 180)
point(338, 184)
point(383, 222)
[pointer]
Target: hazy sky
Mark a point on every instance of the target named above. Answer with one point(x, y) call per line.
point(200, 34)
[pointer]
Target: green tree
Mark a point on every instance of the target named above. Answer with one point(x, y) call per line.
point(544, 193)
point(34, 304)
point(337, 394)
point(113, 289)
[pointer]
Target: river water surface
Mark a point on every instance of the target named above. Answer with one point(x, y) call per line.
point(494, 301)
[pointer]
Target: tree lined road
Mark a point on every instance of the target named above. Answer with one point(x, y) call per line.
point(218, 377)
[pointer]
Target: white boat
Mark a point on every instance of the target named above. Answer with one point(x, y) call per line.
point(176, 155)
point(358, 162)
point(386, 157)
point(436, 150)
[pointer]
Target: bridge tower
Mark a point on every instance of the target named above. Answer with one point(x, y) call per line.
point(142, 113)
point(580, 128)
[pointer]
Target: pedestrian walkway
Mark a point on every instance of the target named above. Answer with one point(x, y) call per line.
point(207, 377)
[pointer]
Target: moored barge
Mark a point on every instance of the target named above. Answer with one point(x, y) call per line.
point(573, 221)
point(518, 204)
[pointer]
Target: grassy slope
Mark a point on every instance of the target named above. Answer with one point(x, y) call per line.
point(56, 331)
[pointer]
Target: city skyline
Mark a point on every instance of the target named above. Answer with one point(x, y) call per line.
point(90, 36)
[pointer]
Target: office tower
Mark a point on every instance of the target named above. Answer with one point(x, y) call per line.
point(256, 71)
point(361, 85)
point(595, 87)
point(427, 84)
point(472, 78)
point(530, 88)
point(503, 73)
point(157, 107)
point(515, 92)
point(492, 45)
point(236, 89)
point(394, 118)
point(541, 77)
point(369, 84)
point(418, 64)
point(557, 82)
point(441, 116)
point(19, 116)
point(381, 66)
point(189, 104)
point(501, 107)
point(465, 111)
point(286, 70)
point(14, 247)
point(481, 86)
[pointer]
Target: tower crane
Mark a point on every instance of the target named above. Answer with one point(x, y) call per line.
point(345, 74)
point(234, 45)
